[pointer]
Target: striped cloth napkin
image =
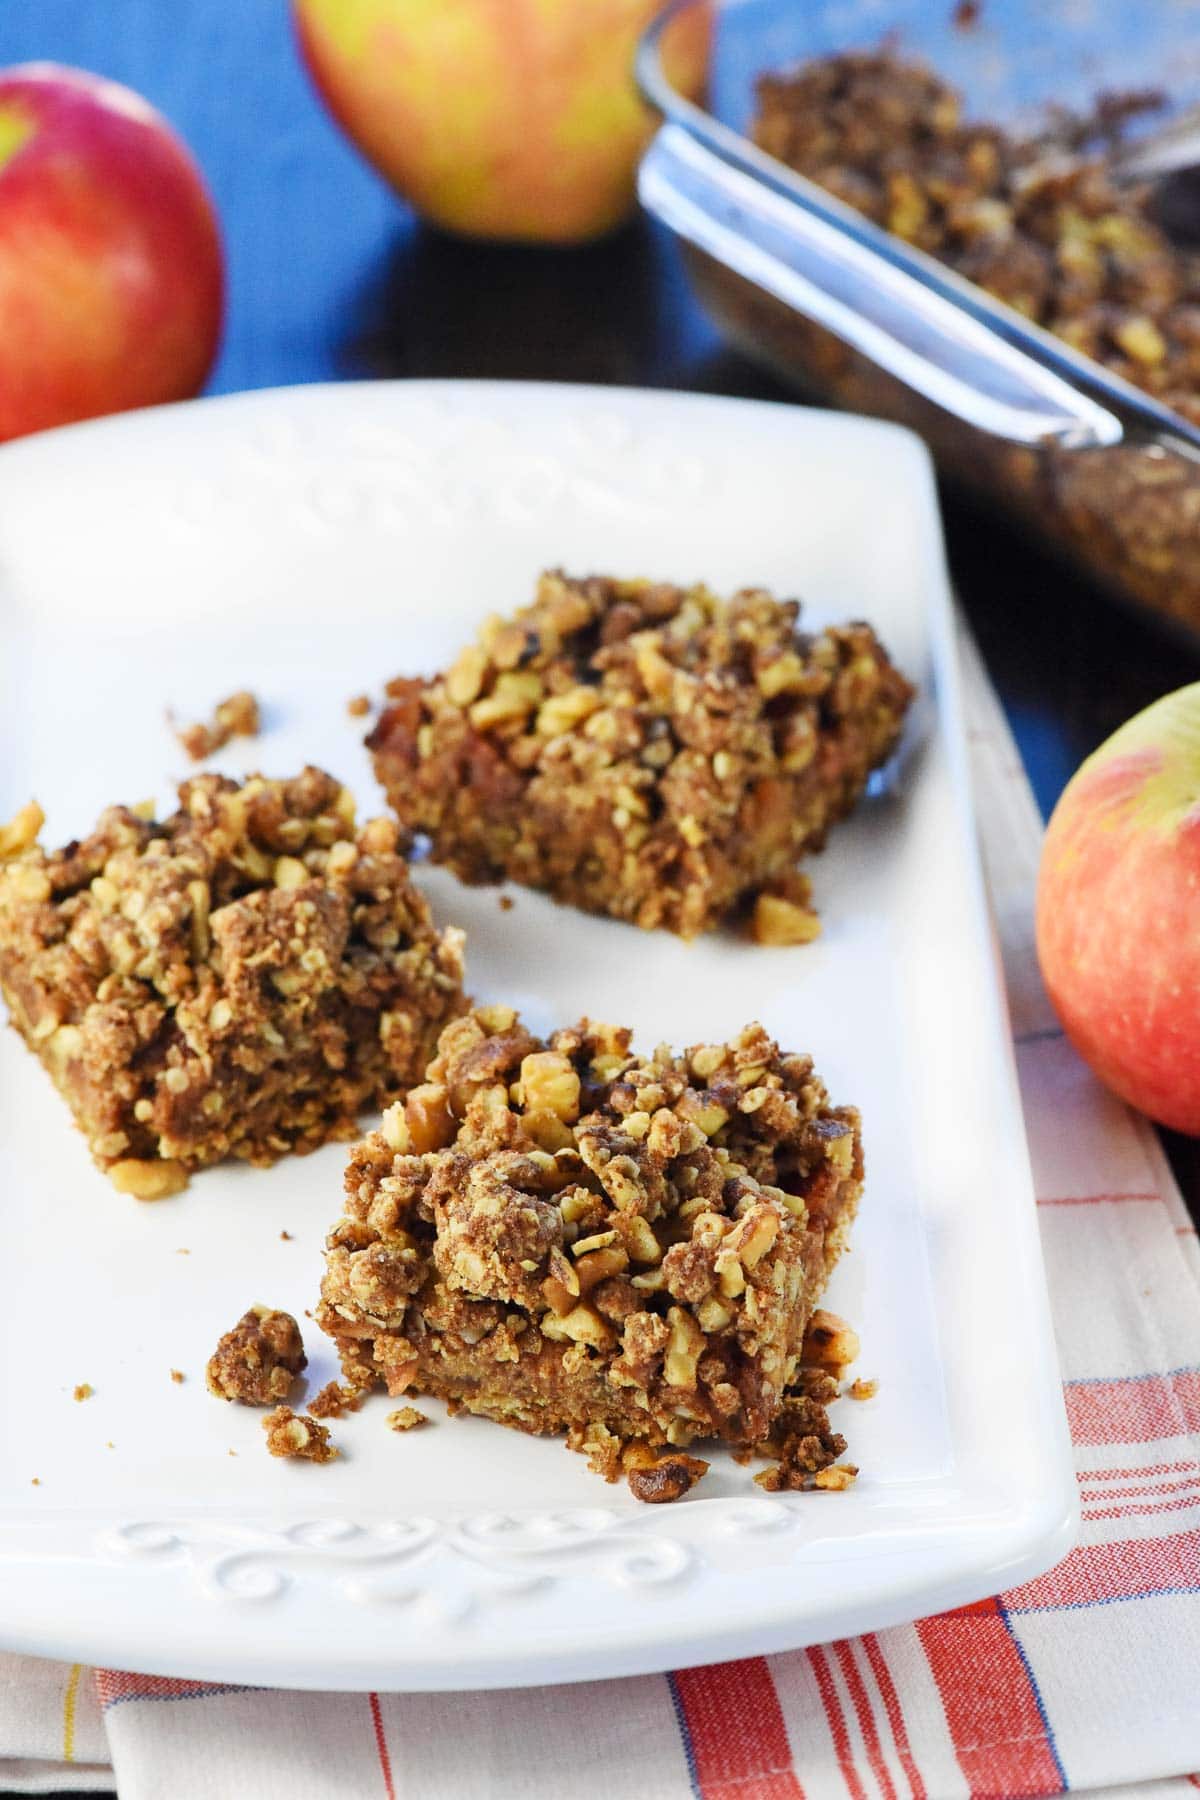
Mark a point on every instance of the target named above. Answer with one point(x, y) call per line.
point(1086, 1678)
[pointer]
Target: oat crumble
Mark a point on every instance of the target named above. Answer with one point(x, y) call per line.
point(334, 1401)
point(640, 749)
point(257, 1363)
point(562, 1235)
point(299, 1438)
point(239, 980)
point(406, 1418)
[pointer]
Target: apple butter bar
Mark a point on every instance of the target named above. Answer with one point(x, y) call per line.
point(643, 750)
point(565, 1236)
point(239, 980)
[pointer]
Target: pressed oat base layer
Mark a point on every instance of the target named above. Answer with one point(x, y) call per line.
point(564, 1236)
point(639, 749)
point(240, 980)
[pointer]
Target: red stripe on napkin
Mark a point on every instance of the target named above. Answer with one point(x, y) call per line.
point(1095, 1574)
point(739, 1743)
point(992, 1708)
point(1134, 1409)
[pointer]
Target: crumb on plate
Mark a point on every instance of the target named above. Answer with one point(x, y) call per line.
point(177, 1375)
point(299, 1439)
point(236, 716)
point(406, 1418)
point(358, 706)
point(83, 1391)
point(863, 1390)
point(257, 1362)
point(659, 1479)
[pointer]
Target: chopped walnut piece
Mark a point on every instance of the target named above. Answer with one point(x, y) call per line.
point(838, 1477)
point(300, 1438)
point(829, 1341)
point(406, 1418)
point(238, 716)
point(658, 1479)
point(84, 1391)
point(146, 1180)
point(334, 1401)
point(21, 831)
point(258, 1361)
point(781, 921)
point(863, 1390)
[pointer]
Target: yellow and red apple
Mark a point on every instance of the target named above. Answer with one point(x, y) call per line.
point(1118, 910)
point(111, 272)
point(510, 119)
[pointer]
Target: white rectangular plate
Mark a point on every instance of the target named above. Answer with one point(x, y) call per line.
point(309, 544)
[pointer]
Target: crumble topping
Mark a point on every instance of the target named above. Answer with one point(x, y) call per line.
point(241, 979)
point(258, 1361)
point(566, 1236)
point(641, 749)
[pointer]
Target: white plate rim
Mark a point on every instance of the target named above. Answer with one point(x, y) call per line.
point(1030, 1541)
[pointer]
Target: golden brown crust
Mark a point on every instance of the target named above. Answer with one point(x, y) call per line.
point(240, 980)
point(640, 749)
point(257, 1363)
point(625, 1248)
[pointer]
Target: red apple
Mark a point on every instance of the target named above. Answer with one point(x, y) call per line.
point(111, 276)
point(1118, 911)
point(498, 118)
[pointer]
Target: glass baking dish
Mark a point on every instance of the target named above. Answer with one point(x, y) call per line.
point(842, 309)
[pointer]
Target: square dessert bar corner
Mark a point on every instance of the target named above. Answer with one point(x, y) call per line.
point(644, 750)
point(240, 980)
point(564, 1235)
